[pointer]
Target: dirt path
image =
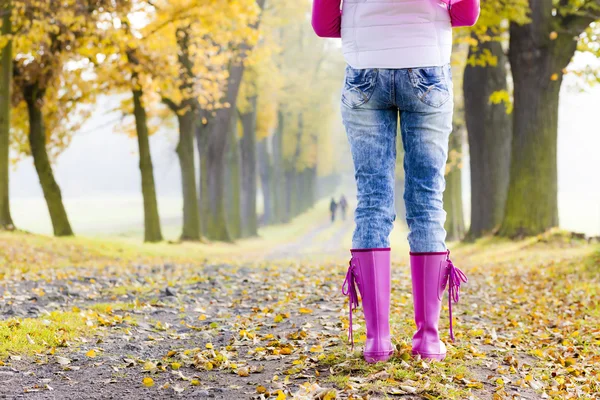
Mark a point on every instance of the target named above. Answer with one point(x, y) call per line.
point(313, 245)
point(276, 330)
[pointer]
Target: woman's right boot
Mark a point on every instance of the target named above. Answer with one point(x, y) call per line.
point(370, 270)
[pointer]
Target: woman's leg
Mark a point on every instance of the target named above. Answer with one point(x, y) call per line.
point(426, 123)
point(372, 137)
point(371, 123)
point(425, 129)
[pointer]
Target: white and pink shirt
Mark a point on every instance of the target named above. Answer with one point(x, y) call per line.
point(394, 33)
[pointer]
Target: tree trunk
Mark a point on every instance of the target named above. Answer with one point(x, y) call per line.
point(266, 181)
point(312, 186)
point(233, 179)
point(185, 152)
point(249, 178)
point(217, 144)
point(278, 172)
point(489, 132)
point(152, 231)
point(290, 193)
point(294, 193)
point(5, 106)
point(217, 228)
point(455, 221)
point(202, 144)
point(37, 142)
point(537, 62)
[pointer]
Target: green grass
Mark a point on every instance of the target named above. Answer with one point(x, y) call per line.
point(40, 335)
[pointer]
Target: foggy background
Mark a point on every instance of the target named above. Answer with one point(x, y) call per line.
point(100, 180)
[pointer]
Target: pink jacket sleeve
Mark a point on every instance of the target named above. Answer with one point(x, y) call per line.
point(463, 12)
point(327, 18)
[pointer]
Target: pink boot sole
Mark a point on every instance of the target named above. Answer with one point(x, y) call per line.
point(439, 357)
point(373, 358)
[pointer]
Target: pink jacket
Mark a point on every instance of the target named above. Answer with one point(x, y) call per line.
point(327, 18)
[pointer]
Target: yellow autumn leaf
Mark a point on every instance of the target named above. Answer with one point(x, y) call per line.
point(475, 385)
point(149, 366)
point(281, 395)
point(175, 366)
point(148, 382)
point(330, 396)
point(285, 351)
point(305, 310)
point(91, 353)
point(209, 345)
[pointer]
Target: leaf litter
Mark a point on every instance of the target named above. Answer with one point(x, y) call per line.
point(527, 327)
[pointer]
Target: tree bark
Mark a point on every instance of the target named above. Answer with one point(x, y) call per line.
point(37, 142)
point(278, 172)
point(266, 181)
point(217, 143)
point(249, 178)
point(537, 62)
point(202, 132)
point(455, 221)
point(6, 221)
point(185, 152)
point(290, 193)
point(217, 228)
point(234, 181)
point(489, 129)
point(152, 231)
point(312, 186)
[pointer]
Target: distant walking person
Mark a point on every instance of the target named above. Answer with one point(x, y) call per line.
point(398, 54)
point(332, 209)
point(343, 206)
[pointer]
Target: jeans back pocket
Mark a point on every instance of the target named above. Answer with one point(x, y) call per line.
point(430, 85)
point(359, 86)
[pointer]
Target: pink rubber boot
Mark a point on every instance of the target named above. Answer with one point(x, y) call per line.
point(431, 273)
point(370, 269)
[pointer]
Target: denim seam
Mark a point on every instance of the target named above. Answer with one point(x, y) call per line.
point(393, 91)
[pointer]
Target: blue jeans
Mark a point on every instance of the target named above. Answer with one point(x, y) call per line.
point(374, 102)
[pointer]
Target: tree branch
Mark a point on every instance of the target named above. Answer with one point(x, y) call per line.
point(576, 23)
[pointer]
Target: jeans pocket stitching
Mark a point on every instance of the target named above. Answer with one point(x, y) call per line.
point(365, 96)
point(422, 96)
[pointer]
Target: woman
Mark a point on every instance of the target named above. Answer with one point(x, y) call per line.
point(398, 55)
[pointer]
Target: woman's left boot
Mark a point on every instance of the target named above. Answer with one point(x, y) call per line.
point(431, 274)
point(370, 270)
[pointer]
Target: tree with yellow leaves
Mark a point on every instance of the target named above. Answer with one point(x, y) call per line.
point(50, 84)
point(217, 126)
point(6, 43)
point(313, 71)
point(129, 64)
point(540, 52)
point(486, 111)
point(198, 41)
